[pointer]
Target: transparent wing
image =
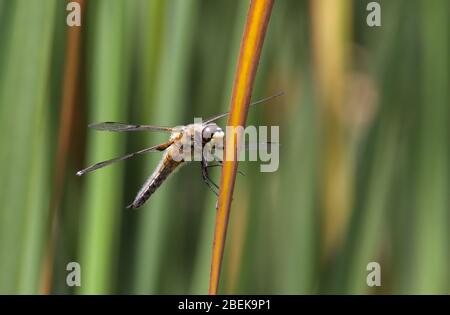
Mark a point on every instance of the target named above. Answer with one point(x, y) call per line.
point(214, 118)
point(119, 127)
point(259, 145)
point(219, 153)
point(156, 148)
point(255, 146)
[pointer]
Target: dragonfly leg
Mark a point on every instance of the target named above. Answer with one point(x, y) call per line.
point(208, 180)
point(213, 186)
point(220, 164)
point(210, 185)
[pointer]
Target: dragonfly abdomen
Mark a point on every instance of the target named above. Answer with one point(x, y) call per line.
point(160, 174)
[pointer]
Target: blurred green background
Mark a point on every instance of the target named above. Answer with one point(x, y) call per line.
point(364, 157)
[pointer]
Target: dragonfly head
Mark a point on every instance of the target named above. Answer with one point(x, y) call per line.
point(212, 133)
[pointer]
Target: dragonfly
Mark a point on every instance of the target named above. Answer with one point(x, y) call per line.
point(206, 134)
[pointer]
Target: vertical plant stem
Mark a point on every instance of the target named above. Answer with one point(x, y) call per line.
point(25, 130)
point(330, 29)
point(251, 46)
point(431, 258)
point(103, 202)
point(69, 97)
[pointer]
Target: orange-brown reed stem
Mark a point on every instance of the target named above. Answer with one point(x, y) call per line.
point(69, 98)
point(250, 51)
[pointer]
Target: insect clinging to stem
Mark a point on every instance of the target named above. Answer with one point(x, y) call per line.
point(206, 134)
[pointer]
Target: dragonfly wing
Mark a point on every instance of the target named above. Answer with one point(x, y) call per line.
point(255, 146)
point(259, 145)
point(156, 148)
point(215, 117)
point(120, 127)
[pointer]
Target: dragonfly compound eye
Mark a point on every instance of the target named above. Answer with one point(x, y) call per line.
point(209, 131)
